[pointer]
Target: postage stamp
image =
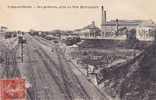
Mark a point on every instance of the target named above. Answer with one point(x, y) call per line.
point(12, 89)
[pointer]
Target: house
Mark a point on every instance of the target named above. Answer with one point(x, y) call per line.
point(146, 31)
point(113, 26)
point(3, 29)
point(90, 31)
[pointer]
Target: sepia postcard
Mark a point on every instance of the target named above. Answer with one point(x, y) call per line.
point(77, 50)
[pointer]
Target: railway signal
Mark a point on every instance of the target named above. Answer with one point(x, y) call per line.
point(21, 41)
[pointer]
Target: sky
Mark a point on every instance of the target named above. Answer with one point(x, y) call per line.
point(71, 18)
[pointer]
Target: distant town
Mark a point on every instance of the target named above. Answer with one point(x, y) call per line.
point(113, 29)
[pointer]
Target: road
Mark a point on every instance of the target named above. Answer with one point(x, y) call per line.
point(48, 74)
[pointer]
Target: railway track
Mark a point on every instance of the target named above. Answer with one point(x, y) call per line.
point(40, 75)
point(73, 79)
point(32, 78)
point(9, 66)
point(61, 72)
point(43, 41)
point(72, 86)
point(54, 75)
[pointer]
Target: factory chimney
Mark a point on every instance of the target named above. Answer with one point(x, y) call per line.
point(103, 19)
point(117, 25)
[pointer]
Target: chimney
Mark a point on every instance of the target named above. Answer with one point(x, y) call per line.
point(102, 9)
point(103, 21)
point(103, 17)
point(117, 25)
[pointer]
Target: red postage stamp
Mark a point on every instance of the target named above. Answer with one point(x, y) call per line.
point(12, 89)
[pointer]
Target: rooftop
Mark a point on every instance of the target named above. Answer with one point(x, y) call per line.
point(130, 23)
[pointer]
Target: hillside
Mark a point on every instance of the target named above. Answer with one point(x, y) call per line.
point(135, 79)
